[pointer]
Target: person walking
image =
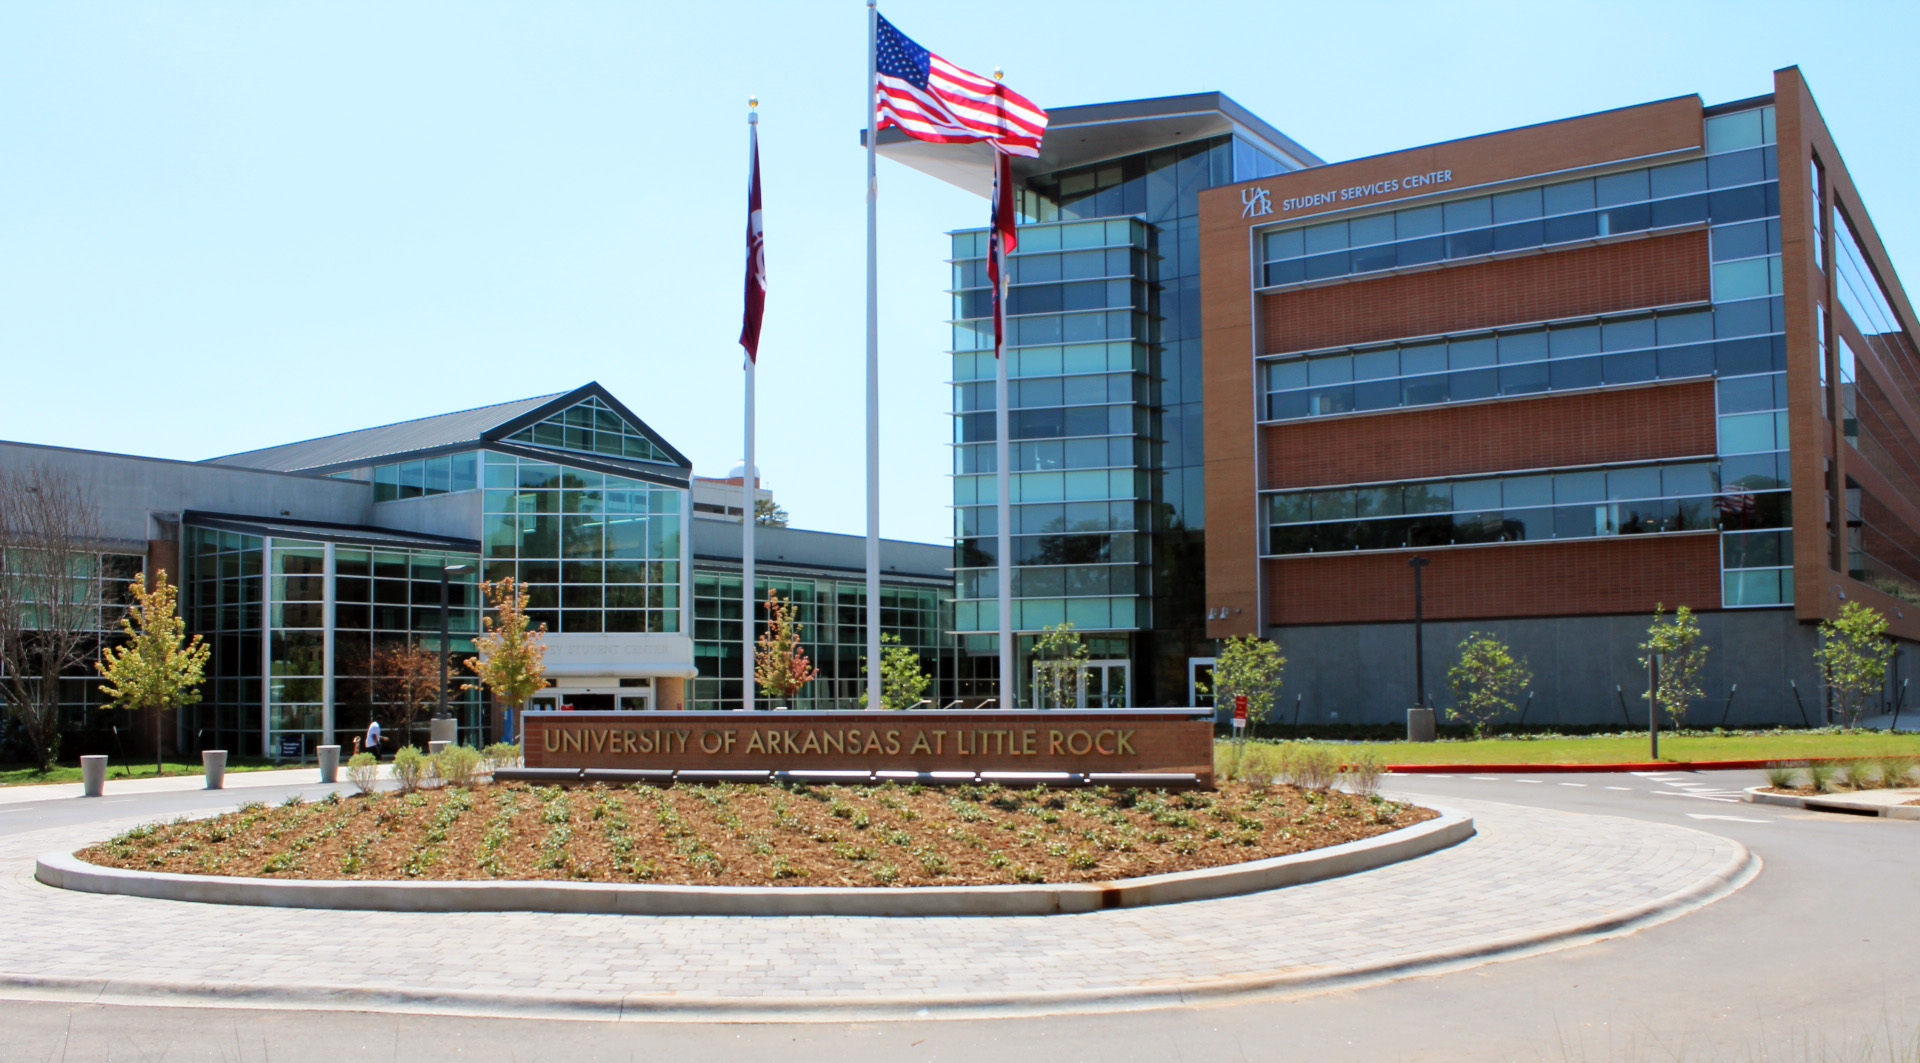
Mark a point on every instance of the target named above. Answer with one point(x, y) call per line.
point(373, 738)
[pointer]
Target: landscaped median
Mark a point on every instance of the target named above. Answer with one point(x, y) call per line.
point(874, 850)
point(1629, 750)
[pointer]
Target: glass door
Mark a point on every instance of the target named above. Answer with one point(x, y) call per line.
point(1104, 685)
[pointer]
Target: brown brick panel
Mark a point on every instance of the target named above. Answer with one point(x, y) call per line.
point(1625, 575)
point(1654, 271)
point(1636, 424)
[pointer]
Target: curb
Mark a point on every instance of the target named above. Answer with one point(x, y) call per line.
point(1740, 870)
point(1822, 803)
point(67, 871)
point(1620, 766)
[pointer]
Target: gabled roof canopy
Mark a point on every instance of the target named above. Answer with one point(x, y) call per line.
point(633, 440)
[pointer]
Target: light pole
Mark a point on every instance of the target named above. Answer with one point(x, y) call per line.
point(1419, 635)
point(445, 571)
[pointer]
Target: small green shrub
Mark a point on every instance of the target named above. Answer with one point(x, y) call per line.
point(1363, 770)
point(1821, 776)
point(1856, 775)
point(1781, 776)
point(1314, 766)
point(500, 755)
point(457, 765)
point(409, 768)
point(363, 771)
point(1895, 772)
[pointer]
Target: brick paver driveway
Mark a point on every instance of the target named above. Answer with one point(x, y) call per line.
point(1530, 878)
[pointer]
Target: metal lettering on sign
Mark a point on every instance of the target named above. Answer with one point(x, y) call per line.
point(1255, 202)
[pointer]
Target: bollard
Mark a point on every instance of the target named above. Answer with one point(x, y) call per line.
point(434, 748)
point(214, 763)
point(93, 775)
point(1419, 724)
point(443, 729)
point(329, 764)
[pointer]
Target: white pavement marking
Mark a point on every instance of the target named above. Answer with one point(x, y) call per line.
point(1697, 797)
point(1530, 782)
point(1572, 869)
point(1627, 788)
point(1573, 784)
point(1729, 819)
point(1485, 778)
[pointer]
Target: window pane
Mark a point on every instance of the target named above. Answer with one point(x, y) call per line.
point(1476, 213)
point(1419, 221)
point(1568, 197)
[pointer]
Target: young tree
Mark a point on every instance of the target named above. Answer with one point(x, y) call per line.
point(1676, 639)
point(510, 658)
point(902, 679)
point(780, 666)
point(767, 511)
point(1853, 657)
point(51, 599)
point(406, 677)
point(1062, 659)
point(1252, 667)
point(1485, 681)
point(158, 667)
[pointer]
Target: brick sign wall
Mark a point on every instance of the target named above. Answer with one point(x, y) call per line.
point(1126, 740)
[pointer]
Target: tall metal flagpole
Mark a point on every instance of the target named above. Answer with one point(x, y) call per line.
point(1002, 449)
point(749, 480)
point(873, 367)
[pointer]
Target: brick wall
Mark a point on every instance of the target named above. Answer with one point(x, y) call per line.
point(1625, 575)
point(1661, 421)
point(1654, 271)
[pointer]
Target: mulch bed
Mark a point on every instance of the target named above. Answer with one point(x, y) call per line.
point(737, 835)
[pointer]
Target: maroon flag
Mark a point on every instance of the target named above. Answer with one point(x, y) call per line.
point(756, 299)
point(1005, 238)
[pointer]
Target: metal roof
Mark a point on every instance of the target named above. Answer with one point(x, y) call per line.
point(1096, 132)
point(425, 433)
point(322, 531)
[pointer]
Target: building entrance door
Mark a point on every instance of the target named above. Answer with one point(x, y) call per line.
point(1200, 682)
point(1105, 684)
point(634, 700)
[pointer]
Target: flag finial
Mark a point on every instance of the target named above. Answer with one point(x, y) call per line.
point(753, 103)
point(998, 73)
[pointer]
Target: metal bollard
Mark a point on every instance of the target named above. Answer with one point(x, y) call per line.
point(329, 763)
point(434, 748)
point(214, 763)
point(93, 775)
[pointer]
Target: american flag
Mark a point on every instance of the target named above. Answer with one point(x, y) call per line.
point(928, 98)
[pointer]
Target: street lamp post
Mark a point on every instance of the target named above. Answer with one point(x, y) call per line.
point(1419, 635)
point(445, 571)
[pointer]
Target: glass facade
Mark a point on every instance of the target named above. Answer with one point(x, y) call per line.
point(1739, 340)
point(596, 552)
point(294, 625)
point(95, 610)
point(833, 618)
point(1105, 397)
point(592, 427)
point(438, 475)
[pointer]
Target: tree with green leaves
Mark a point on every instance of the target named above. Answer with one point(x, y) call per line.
point(158, 668)
point(780, 665)
point(511, 654)
point(1676, 641)
point(903, 679)
point(1250, 667)
point(1853, 657)
point(1061, 658)
point(1485, 681)
point(770, 513)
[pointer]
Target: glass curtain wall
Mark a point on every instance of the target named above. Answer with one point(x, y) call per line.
point(79, 692)
point(832, 615)
point(1104, 361)
point(596, 552)
point(224, 592)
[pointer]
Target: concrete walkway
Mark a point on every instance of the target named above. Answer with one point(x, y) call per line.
point(235, 780)
point(1531, 879)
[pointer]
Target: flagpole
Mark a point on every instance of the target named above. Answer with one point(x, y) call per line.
point(873, 366)
point(1002, 449)
point(749, 481)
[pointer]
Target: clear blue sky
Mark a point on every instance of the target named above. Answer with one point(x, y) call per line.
point(230, 225)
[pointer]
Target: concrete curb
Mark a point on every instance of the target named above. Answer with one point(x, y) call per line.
point(1619, 766)
point(67, 871)
point(1742, 868)
point(1831, 803)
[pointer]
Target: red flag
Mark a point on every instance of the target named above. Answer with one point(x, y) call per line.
point(756, 299)
point(1005, 238)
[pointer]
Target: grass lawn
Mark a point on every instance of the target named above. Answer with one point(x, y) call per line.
point(1604, 749)
point(17, 774)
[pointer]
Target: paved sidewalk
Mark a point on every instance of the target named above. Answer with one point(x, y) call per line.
point(235, 780)
point(1530, 879)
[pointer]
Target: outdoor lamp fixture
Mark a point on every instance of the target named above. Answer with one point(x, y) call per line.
point(445, 571)
point(1419, 635)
